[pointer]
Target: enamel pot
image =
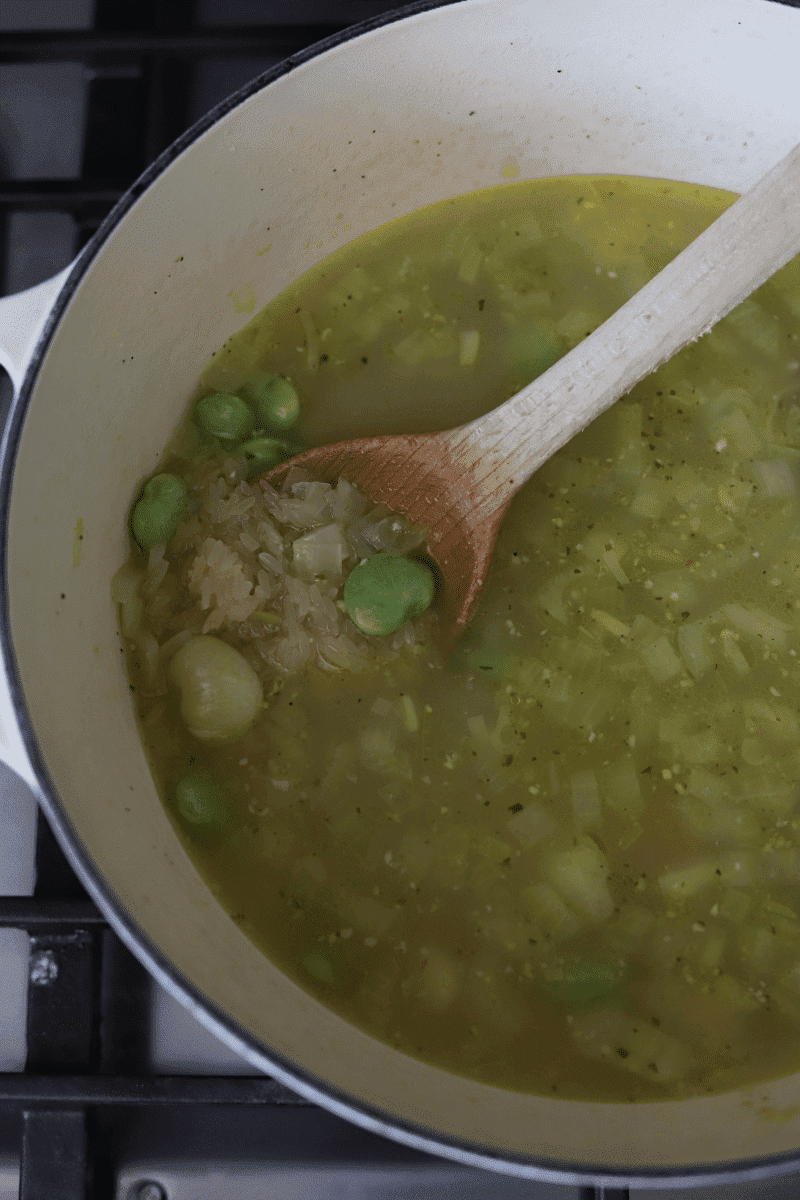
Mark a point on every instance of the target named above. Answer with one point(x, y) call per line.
point(405, 110)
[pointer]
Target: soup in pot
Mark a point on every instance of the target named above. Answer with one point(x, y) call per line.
point(563, 860)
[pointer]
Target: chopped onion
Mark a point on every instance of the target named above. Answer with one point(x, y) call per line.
point(652, 498)
point(556, 919)
point(761, 627)
point(470, 262)
point(632, 1044)
point(615, 627)
point(685, 882)
point(733, 653)
point(321, 552)
point(777, 478)
point(468, 344)
point(125, 583)
point(586, 811)
point(692, 645)
point(532, 825)
point(580, 874)
point(660, 660)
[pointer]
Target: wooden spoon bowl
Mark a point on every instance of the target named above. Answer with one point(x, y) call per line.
point(457, 484)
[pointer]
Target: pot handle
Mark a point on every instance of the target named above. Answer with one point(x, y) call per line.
point(22, 319)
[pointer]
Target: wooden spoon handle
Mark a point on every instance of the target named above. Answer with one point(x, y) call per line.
point(740, 250)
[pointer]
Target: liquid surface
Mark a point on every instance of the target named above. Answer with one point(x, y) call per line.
point(565, 860)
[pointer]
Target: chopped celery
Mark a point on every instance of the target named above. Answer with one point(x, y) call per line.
point(778, 723)
point(583, 981)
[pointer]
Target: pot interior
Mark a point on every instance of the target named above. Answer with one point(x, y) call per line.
point(443, 102)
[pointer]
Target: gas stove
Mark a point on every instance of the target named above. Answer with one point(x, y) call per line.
point(109, 1088)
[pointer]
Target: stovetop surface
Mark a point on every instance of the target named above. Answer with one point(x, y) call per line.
point(67, 120)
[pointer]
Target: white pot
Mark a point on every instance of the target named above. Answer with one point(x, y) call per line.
point(442, 101)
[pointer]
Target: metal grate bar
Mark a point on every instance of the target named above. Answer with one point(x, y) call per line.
point(73, 1091)
point(63, 987)
point(604, 1193)
point(53, 1161)
point(59, 195)
point(32, 913)
point(94, 48)
point(125, 1010)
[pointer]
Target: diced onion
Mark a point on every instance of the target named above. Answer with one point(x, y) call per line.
point(692, 645)
point(757, 625)
point(586, 811)
point(580, 874)
point(532, 825)
point(660, 660)
point(777, 478)
point(685, 882)
point(468, 344)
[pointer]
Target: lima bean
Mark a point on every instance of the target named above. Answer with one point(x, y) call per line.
point(273, 399)
point(156, 514)
point(224, 416)
point(265, 452)
point(201, 804)
point(383, 593)
point(221, 695)
point(583, 981)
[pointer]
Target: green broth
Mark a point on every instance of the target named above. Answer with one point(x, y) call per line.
point(564, 861)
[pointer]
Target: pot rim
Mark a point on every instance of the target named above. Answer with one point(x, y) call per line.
point(135, 938)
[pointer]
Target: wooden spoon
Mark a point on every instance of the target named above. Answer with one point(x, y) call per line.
point(458, 484)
